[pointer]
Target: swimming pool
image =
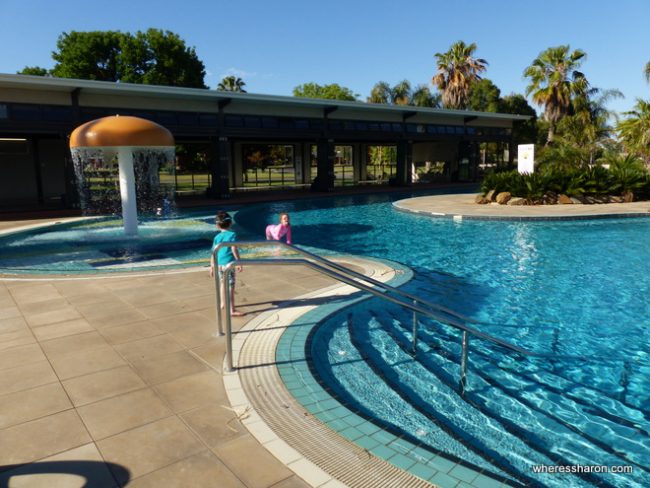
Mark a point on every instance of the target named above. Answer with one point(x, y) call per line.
point(576, 290)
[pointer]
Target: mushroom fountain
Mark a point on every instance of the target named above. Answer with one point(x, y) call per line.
point(127, 138)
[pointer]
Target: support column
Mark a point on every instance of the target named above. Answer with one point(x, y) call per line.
point(404, 160)
point(221, 174)
point(324, 180)
point(127, 190)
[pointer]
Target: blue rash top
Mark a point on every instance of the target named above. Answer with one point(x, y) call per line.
point(224, 255)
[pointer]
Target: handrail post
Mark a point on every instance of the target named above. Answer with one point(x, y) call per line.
point(226, 282)
point(463, 361)
point(217, 287)
point(415, 328)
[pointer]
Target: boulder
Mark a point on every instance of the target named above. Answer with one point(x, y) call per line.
point(628, 197)
point(481, 200)
point(564, 200)
point(503, 197)
point(517, 201)
point(490, 195)
point(615, 199)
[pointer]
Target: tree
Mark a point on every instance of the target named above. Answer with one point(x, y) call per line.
point(327, 92)
point(522, 132)
point(422, 97)
point(159, 57)
point(154, 57)
point(381, 93)
point(232, 84)
point(484, 96)
point(634, 131)
point(646, 71)
point(555, 82)
point(457, 70)
point(403, 94)
point(34, 71)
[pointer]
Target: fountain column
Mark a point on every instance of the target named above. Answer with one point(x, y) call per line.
point(127, 190)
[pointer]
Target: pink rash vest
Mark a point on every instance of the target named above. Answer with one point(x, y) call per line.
point(277, 231)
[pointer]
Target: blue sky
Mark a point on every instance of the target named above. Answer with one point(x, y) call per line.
point(275, 45)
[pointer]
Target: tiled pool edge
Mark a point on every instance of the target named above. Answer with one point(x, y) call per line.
point(296, 376)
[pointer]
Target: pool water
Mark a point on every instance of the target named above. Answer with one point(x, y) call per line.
point(575, 290)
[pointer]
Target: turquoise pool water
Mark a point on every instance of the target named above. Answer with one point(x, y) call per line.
point(577, 290)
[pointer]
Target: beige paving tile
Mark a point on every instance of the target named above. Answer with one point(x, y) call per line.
point(53, 316)
point(166, 368)
point(45, 306)
point(26, 376)
point(150, 447)
point(198, 303)
point(82, 464)
point(114, 415)
point(181, 320)
point(145, 296)
point(202, 470)
point(214, 424)
point(296, 482)
point(109, 306)
point(117, 317)
point(21, 355)
point(43, 437)
point(9, 310)
point(251, 462)
point(33, 293)
point(130, 332)
point(87, 361)
point(11, 324)
point(62, 329)
point(104, 384)
point(74, 343)
point(26, 405)
point(212, 353)
point(15, 338)
point(194, 335)
point(149, 347)
point(165, 309)
point(193, 391)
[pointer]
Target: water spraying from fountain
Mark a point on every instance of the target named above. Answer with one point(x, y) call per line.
point(141, 150)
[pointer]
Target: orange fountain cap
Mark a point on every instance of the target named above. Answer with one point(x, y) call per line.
point(121, 130)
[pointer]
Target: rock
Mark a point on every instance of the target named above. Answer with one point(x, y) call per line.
point(564, 200)
point(517, 201)
point(615, 199)
point(481, 200)
point(503, 197)
point(576, 201)
point(628, 197)
point(490, 195)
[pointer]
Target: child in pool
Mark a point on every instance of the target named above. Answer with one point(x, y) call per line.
point(278, 231)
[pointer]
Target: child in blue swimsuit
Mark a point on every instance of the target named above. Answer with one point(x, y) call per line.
point(225, 256)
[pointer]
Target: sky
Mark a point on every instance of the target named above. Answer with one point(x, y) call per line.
point(276, 45)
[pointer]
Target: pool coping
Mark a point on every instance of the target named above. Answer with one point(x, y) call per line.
point(288, 379)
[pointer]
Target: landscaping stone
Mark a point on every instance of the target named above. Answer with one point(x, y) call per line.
point(564, 200)
point(481, 200)
point(490, 195)
point(517, 201)
point(628, 197)
point(503, 197)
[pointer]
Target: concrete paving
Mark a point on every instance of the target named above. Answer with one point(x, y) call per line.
point(117, 381)
point(463, 205)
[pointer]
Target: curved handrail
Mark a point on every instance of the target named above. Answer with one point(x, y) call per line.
point(348, 277)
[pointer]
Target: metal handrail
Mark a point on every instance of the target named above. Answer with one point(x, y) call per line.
point(348, 277)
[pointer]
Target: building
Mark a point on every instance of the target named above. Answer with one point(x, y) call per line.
point(323, 143)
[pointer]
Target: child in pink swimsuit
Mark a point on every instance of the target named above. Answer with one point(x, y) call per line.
point(278, 231)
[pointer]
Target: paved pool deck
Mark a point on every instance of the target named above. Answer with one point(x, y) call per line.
point(463, 206)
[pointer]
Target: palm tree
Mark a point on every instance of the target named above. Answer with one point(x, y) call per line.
point(401, 93)
point(232, 84)
point(634, 131)
point(555, 82)
point(646, 71)
point(457, 70)
point(422, 97)
point(381, 93)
